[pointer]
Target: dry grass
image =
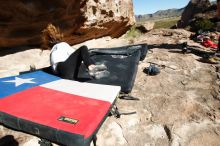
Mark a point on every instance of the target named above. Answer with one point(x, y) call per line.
point(166, 23)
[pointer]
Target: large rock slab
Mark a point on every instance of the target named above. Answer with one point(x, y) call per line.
point(22, 21)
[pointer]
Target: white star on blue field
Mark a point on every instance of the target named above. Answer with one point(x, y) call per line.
point(19, 81)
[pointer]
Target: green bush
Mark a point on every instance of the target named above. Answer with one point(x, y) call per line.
point(203, 24)
point(133, 32)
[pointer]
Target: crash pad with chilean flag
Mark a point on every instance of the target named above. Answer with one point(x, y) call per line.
point(62, 111)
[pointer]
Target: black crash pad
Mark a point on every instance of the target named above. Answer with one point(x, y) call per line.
point(121, 62)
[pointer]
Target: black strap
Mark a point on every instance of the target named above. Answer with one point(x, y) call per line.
point(44, 142)
point(127, 97)
point(94, 140)
point(115, 112)
point(128, 113)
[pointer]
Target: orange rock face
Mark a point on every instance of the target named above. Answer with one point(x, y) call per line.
point(22, 21)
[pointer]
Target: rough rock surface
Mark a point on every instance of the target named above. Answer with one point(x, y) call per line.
point(146, 26)
point(193, 8)
point(21, 22)
point(179, 106)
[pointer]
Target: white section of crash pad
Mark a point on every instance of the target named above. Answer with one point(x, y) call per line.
point(90, 90)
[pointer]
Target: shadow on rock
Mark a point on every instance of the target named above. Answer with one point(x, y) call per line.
point(183, 49)
point(165, 46)
point(8, 140)
point(12, 50)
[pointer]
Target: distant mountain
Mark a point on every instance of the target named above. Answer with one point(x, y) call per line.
point(160, 14)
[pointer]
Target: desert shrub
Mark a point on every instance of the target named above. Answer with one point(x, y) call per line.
point(133, 32)
point(203, 24)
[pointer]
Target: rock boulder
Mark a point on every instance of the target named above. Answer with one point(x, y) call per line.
point(146, 26)
point(193, 8)
point(21, 21)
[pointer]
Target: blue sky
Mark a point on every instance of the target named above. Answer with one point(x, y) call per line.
point(151, 6)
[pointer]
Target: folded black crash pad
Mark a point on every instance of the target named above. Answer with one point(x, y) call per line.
point(121, 62)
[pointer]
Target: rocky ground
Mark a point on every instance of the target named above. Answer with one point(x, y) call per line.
point(179, 106)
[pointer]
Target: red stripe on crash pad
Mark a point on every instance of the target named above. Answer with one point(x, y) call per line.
point(44, 106)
